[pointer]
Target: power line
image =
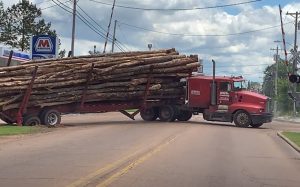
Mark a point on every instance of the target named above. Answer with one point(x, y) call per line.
point(123, 36)
point(103, 35)
point(83, 20)
point(53, 5)
point(91, 18)
point(206, 35)
point(43, 1)
point(177, 9)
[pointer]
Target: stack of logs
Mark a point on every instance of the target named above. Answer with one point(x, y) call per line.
point(115, 76)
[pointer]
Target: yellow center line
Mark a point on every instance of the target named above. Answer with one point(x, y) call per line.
point(140, 159)
point(89, 178)
point(134, 164)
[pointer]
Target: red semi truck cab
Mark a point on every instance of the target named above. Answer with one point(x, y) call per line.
point(229, 102)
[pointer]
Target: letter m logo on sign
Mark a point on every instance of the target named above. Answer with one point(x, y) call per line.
point(43, 44)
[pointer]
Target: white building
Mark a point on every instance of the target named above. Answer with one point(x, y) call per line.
point(17, 58)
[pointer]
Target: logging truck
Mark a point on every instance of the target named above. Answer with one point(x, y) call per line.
point(223, 99)
point(158, 84)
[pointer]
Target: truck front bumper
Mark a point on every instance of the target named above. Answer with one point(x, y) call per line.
point(261, 118)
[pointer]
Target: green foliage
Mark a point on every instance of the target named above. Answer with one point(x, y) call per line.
point(62, 53)
point(285, 104)
point(15, 130)
point(1, 14)
point(254, 86)
point(21, 21)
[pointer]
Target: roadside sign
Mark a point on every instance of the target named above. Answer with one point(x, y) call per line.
point(44, 46)
point(18, 57)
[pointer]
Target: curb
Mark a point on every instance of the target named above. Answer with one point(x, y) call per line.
point(282, 120)
point(296, 147)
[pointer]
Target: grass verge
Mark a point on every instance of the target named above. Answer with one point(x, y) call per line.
point(16, 130)
point(293, 136)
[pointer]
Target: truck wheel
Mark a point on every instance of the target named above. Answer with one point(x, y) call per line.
point(50, 117)
point(149, 114)
point(242, 119)
point(31, 120)
point(256, 125)
point(167, 113)
point(184, 115)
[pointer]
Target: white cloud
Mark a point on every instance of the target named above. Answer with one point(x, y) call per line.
point(239, 52)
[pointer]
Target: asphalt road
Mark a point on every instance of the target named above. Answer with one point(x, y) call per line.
point(111, 150)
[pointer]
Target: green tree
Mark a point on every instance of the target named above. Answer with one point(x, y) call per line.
point(2, 19)
point(1, 14)
point(284, 103)
point(21, 22)
point(62, 53)
point(254, 86)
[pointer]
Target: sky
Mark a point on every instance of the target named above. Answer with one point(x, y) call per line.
point(220, 33)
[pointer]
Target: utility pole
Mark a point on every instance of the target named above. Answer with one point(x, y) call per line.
point(294, 70)
point(73, 27)
point(111, 15)
point(114, 37)
point(276, 78)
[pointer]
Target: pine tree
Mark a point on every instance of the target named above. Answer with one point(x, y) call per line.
point(22, 21)
point(2, 20)
point(1, 14)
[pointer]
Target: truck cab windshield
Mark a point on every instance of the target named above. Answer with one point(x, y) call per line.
point(240, 85)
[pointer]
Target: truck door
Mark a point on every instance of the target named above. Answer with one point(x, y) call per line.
point(223, 93)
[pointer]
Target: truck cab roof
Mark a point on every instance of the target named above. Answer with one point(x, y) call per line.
point(219, 78)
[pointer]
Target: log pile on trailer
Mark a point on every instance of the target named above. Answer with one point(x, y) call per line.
point(106, 77)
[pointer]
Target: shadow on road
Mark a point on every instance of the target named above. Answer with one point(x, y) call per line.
point(140, 122)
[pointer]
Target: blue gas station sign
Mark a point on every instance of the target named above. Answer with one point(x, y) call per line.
point(44, 46)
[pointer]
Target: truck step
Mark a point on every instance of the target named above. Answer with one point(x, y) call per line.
point(220, 116)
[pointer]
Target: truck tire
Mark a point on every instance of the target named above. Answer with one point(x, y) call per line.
point(256, 125)
point(242, 119)
point(31, 120)
point(149, 114)
point(167, 113)
point(184, 115)
point(50, 117)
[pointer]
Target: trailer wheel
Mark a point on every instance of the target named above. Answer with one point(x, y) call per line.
point(184, 115)
point(256, 125)
point(149, 114)
point(167, 113)
point(242, 119)
point(50, 117)
point(31, 120)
